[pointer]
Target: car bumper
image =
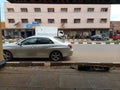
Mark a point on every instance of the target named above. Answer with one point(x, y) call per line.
point(69, 53)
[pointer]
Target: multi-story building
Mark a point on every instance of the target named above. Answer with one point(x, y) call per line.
point(82, 20)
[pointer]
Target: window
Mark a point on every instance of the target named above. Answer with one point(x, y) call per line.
point(76, 20)
point(50, 9)
point(24, 20)
point(44, 41)
point(63, 9)
point(30, 41)
point(11, 20)
point(90, 20)
point(38, 20)
point(50, 20)
point(10, 10)
point(37, 9)
point(90, 10)
point(103, 20)
point(77, 9)
point(63, 20)
point(24, 10)
point(104, 9)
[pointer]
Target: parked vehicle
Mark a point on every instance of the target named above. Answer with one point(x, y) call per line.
point(99, 37)
point(48, 31)
point(38, 47)
point(116, 37)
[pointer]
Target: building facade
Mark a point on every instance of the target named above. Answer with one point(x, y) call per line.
point(76, 20)
point(115, 26)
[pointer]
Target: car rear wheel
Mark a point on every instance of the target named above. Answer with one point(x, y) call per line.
point(7, 55)
point(56, 56)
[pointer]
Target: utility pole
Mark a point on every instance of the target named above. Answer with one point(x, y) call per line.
point(2, 61)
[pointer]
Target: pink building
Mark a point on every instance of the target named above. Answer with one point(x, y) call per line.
point(74, 19)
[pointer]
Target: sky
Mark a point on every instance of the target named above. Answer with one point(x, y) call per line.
point(114, 15)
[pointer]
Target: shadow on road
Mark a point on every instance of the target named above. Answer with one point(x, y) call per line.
point(38, 59)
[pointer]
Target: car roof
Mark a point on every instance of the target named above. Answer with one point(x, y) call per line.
point(41, 36)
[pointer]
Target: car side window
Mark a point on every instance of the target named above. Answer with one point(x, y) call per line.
point(29, 41)
point(44, 41)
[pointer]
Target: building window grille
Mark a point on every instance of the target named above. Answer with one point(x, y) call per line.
point(24, 20)
point(77, 9)
point(63, 20)
point(37, 9)
point(24, 10)
point(104, 9)
point(90, 10)
point(103, 20)
point(10, 10)
point(63, 9)
point(38, 20)
point(11, 20)
point(76, 20)
point(90, 20)
point(50, 9)
point(50, 20)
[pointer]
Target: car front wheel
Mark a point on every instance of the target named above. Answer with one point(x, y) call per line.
point(7, 55)
point(56, 56)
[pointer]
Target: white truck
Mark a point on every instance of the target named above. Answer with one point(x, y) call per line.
point(48, 31)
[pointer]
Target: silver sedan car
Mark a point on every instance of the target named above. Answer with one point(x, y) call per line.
point(38, 47)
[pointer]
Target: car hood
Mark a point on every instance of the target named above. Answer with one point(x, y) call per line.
point(10, 44)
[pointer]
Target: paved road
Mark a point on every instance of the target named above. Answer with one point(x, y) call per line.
point(88, 53)
point(39, 78)
point(96, 53)
point(64, 78)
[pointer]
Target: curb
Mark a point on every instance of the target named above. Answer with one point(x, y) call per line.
point(94, 43)
point(52, 64)
point(18, 64)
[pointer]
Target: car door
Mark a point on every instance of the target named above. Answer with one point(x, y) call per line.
point(43, 47)
point(26, 48)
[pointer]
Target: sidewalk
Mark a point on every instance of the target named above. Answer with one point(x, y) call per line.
point(45, 78)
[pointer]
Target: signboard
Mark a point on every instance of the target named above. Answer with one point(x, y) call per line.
point(34, 23)
point(27, 25)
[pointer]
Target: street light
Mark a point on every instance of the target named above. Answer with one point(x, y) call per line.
point(2, 61)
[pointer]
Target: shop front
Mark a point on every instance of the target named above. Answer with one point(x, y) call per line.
point(13, 33)
point(85, 33)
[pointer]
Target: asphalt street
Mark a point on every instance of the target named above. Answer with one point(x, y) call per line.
point(44, 78)
point(65, 77)
point(96, 53)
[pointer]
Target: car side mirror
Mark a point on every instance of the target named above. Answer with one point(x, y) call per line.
point(19, 44)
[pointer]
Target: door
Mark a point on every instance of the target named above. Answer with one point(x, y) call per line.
point(26, 48)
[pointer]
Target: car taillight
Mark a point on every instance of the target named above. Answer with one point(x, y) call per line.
point(70, 46)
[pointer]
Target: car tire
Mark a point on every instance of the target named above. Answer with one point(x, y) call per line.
point(7, 55)
point(56, 56)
